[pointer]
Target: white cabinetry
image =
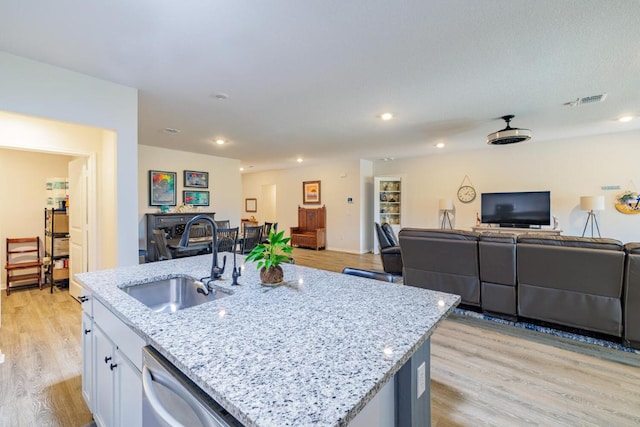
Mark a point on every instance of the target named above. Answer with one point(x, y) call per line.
point(112, 364)
point(87, 358)
point(387, 204)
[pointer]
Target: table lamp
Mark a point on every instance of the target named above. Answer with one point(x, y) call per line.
point(445, 205)
point(591, 204)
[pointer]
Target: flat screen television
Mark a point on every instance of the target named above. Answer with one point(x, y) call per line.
point(521, 209)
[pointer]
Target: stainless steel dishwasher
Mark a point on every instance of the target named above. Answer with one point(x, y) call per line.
point(169, 398)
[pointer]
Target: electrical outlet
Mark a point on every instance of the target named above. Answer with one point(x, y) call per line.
point(422, 380)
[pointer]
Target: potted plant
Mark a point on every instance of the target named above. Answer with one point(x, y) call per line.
point(270, 255)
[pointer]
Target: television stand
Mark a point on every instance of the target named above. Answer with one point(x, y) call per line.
point(518, 231)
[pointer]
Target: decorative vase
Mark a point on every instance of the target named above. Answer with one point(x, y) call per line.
point(272, 276)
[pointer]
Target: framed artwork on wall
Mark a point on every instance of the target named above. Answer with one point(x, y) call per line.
point(196, 179)
point(162, 188)
point(195, 198)
point(251, 205)
point(311, 192)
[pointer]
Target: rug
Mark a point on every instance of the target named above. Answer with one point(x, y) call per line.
point(546, 330)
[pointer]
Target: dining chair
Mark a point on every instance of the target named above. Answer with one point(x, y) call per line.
point(227, 239)
point(160, 243)
point(23, 262)
point(251, 237)
point(267, 228)
point(164, 251)
point(223, 223)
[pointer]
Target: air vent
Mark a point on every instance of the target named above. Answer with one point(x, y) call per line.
point(587, 100)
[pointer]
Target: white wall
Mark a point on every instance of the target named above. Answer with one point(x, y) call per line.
point(24, 198)
point(568, 168)
point(339, 181)
point(225, 188)
point(40, 90)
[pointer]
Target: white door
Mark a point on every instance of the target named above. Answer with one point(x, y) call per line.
point(77, 223)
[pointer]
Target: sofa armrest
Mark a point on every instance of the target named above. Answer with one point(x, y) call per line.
point(390, 250)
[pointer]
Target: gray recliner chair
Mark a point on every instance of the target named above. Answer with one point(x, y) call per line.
point(572, 281)
point(389, 249)
point(442, 260)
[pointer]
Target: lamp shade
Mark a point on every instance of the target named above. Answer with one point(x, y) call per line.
point(592, 203)
point(445, 204)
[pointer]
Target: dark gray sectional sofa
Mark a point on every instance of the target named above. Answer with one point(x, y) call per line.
point(582, 283)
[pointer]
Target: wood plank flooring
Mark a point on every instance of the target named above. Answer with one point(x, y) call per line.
point(40, 380)
point(481, 373)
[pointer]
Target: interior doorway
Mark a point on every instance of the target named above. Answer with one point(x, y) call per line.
point(24, 134)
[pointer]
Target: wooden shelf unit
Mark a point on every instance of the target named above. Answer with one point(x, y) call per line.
point(56, 248)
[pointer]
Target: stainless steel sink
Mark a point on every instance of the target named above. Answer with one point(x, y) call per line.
point(170, 295)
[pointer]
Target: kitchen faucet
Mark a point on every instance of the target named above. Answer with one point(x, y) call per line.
point(216, 272)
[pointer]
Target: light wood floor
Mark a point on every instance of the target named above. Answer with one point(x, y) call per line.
point(481, 373)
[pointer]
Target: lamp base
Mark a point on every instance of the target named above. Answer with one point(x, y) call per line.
point(591, 218)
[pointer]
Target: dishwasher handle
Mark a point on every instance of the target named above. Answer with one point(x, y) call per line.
point(149, 377)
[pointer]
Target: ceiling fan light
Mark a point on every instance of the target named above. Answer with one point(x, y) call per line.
point(508, 135)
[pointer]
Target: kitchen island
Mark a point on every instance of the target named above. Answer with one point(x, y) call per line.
point(314, 351)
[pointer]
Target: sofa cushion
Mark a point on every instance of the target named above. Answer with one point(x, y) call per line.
point(440, 234)
point(499, 237)
point(572, 241)
point(497, 254)
point(632, 248)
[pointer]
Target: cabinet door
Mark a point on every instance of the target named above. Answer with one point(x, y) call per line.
point(103, 408)
point(128, 381)
point(87, 359)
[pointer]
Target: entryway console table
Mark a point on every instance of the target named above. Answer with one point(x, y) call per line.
point(517, 231)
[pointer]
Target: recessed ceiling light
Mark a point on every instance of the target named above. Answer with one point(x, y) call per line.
point(440, 145)
point(625, 119)
point(220, 141)
point(386, 116)
point(170, 131)
point(387, 159)
point(241, 169)
point(299, 160)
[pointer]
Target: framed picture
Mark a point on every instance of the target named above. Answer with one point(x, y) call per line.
point(162, 188)
point(196, 179)
point(251, 205)
point(311, 192)
point(195, 198)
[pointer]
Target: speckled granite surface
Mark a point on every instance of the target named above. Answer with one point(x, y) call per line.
point(311, 352)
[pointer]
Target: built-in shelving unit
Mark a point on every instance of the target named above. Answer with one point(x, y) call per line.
point(387, 204)
point(56, 247)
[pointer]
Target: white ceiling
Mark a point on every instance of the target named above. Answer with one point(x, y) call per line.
point(308, 77)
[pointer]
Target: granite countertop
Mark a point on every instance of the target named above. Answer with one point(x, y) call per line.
point(311, 352)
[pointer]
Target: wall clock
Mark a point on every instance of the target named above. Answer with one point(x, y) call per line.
point(466, 192)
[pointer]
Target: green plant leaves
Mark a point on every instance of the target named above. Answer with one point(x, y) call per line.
point(273, 253)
